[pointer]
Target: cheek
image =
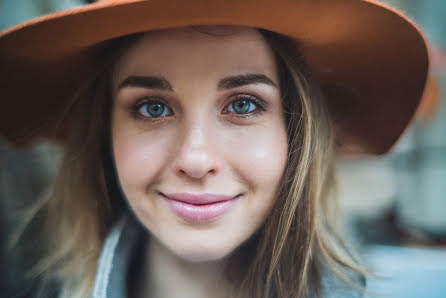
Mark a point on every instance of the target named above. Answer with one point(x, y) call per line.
point(137, 158)
point(259, 156)
point(138, 161)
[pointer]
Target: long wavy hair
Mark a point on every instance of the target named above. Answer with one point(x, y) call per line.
point(284, 258)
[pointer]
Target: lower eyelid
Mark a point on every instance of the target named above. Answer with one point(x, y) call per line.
point(248, 115)
point(149, 120)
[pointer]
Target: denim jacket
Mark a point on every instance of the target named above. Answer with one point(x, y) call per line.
point(122, 243)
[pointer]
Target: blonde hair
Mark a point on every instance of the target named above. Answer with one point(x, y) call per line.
point(282, 259)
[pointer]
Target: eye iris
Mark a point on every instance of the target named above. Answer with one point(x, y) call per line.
point(241, 106)
point(155, 109)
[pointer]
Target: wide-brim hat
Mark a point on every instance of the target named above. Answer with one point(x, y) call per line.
point(369, 59)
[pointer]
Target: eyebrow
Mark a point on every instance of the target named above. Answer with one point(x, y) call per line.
point(153, 82)
point(242, 80)
point(146, 82)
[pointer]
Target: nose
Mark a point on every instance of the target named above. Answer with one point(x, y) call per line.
point(196, 157)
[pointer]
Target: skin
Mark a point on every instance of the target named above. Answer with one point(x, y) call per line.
point(200, 145)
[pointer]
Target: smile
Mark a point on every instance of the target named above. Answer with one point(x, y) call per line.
point(199, 208)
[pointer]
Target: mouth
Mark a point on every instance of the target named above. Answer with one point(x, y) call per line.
point(199, 208)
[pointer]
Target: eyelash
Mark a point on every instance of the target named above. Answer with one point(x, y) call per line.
point(260, 108)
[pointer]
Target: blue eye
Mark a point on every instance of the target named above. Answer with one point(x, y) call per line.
point(242, 106)
point(153, 109)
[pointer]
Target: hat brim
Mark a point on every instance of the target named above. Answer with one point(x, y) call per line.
point(370, 60)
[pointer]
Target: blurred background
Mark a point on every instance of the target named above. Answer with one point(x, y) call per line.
point(393, 207)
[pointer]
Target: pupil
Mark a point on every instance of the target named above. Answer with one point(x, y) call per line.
point(155, 109)
point(241, 106)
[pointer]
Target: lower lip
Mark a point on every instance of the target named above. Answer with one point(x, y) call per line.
point(200, 213)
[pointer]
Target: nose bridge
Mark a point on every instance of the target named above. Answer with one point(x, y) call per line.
point(196, 155)
point(195, 134)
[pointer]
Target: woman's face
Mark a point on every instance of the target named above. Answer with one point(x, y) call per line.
point(199, 137)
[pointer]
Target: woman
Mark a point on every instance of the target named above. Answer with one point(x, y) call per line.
point(198, 148)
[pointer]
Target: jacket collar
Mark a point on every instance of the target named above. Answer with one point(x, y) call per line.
point(115, 258)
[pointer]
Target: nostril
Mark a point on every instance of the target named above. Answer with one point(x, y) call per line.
point(196, 172)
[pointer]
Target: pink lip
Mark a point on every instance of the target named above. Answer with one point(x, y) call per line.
point(199, 208)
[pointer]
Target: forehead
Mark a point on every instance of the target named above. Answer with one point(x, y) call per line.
point(207, 51)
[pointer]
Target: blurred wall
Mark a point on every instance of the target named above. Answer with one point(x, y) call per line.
point(16, 11)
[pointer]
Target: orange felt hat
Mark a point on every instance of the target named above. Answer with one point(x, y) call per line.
point(370, 60)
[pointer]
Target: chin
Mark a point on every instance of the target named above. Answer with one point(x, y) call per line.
point(202, 254)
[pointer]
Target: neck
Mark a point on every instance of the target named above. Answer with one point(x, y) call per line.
point(167, 275)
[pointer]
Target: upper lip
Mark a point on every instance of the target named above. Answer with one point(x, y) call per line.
point(198, 199)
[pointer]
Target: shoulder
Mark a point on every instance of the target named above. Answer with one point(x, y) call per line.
point(352, 284)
